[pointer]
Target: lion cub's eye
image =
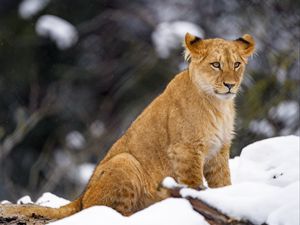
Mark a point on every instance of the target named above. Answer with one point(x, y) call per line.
point(216, 65)
point(237, 64)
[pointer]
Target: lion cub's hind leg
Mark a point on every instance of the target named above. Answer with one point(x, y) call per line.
point(117, 184)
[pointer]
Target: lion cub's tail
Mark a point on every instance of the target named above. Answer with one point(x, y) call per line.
point(31, 210)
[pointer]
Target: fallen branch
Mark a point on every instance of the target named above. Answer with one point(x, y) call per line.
point(19, 219)
point(211, 215)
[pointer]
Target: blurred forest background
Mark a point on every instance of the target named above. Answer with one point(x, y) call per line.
point(75, 74)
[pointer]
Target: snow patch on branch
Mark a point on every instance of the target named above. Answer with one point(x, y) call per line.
point(287, 113)
point(262, 127)
point(51, 200)
point(168, 36)
point(29, 8)
point(84, 172)
point(63, 33)
point(75, 140)
point(24, 200)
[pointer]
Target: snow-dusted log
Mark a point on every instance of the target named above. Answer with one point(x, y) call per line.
point(20, 220)
point(211, 215)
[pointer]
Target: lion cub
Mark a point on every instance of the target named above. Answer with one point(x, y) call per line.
point(184, 133)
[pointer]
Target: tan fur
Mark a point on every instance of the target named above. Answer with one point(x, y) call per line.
point(184, 133)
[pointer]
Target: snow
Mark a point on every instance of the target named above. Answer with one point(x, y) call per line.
point(284, 215)
point(62, 158)
point(63, 33)
point(25, 200)
point(47, 199)
point(170, 183)
point(51, 200)
point(5, 202)
point(75, 140)
point(29, 8)
point(170, 211)
point(93, 215)
point(169, 35)
point(262, 127)
point(84, 172)
point(97, 128)
point(251, 201)
point(265, 189)
point(265, 184)
point(287, 112)
point(273, 161)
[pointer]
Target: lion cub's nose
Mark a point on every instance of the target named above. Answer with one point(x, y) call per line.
point(228, 85)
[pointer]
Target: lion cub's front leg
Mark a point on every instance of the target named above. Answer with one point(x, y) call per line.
point(216, 169)
point(187, 162)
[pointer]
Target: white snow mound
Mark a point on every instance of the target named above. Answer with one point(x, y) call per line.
point(170, 211)
point(265, 184)
point(51, 200)
point(273, 161)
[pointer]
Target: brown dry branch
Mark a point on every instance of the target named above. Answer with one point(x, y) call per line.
point(19, 220)
point(24, 126)
point(17, 136)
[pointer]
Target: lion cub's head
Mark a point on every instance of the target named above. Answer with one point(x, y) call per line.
point(217, 65)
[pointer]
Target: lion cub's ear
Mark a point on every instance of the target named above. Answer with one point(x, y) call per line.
point(246, 44)
point(192, 45)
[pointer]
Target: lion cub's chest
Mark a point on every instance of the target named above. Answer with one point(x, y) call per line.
point(222, 131)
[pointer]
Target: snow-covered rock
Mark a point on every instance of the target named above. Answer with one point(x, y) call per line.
point(273, 161)
point(265, 189)
point(63, 33)
point(255, 202)
point(265, 184)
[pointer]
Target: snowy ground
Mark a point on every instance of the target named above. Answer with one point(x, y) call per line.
point(265, 189)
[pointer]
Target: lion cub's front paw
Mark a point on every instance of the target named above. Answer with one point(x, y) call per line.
point(202, 187)
point(170, 183)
